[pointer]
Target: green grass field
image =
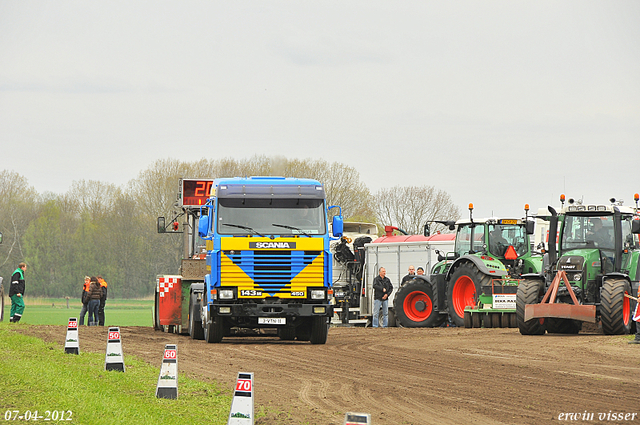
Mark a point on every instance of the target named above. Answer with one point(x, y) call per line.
point(54, 311)
point(37, 376)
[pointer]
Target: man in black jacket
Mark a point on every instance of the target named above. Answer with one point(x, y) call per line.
point(382, 289)
point(16, 293)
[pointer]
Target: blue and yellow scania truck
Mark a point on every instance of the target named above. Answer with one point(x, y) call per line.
point(266, 262)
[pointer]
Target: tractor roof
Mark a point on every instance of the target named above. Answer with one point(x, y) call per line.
point(492, 220)
point(593, 209)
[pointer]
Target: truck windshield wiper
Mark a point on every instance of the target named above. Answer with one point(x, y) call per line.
point(291, 228)
point(244, 228)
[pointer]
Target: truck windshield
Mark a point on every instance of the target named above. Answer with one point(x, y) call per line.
point(502, 236)
point(588, 232)
point(237, 216)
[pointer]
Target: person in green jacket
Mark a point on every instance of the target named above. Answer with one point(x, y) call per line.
point(16, 293)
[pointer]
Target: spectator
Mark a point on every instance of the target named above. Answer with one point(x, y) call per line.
point(410, 276)
point(16, 293)
point(85, 298)
point(420, 271)
point(382, 288)
point(94, 301)
point(103, 300)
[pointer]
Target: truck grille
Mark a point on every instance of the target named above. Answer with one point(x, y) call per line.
point(272, 270)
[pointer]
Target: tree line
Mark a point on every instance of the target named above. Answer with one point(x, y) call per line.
point(101, 228)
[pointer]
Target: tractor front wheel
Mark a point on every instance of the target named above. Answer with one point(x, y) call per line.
point(615, 310)
point(528, 293)
point(414, 306)
point(463, 288)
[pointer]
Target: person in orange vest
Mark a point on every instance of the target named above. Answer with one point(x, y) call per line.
point(85, 298)
point(103, 300)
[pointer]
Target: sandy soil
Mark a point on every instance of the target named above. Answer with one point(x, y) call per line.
point(407, 376)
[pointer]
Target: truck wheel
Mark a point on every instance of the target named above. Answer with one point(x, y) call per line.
point(528, 293)
point(467, 319)
point(562, 326)
point(414, 306)
point(303, 332)
point(319, 330)
point(466, 282)
point(287, 334)
point(214, 331)
point(156, 313)
point(615, 311)
point(391, 318)
point(196, 331)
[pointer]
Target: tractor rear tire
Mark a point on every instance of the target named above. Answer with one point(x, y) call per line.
point(214, 331)
point(463, 289)
point(528, 293)
point(562, 326)
point(319, 330)
point(196, 331)
point(467, 319)
point(414, 305)
point(615, 308)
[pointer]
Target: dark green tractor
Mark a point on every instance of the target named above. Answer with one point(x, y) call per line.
point(476, 284)
point(591, 276)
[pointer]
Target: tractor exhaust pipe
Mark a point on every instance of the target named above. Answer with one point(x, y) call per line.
point(553, 235)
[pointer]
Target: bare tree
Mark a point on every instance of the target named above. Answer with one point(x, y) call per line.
point(410, 207)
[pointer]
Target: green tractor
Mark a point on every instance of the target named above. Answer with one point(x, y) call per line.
point(479, 279)
point(589, 276)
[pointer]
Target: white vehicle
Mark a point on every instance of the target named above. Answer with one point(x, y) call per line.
point(353, 279)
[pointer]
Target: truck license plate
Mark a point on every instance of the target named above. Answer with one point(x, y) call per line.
point(272, 320)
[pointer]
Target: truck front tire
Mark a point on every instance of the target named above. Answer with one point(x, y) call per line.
point(615, 308)
point(414, 305)
point(214, 331)
point(319, 330)
point(528, 293)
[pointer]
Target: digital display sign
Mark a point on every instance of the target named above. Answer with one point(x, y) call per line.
point(196, 191)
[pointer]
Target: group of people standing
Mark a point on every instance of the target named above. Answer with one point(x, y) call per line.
point(94, 297)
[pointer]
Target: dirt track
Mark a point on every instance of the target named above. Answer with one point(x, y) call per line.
point(407, 376)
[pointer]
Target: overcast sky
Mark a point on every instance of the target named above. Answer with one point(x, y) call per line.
point(499, 103)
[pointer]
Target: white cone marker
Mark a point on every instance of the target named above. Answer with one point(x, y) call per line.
point(114, 359)
point(242, 405)
point(71, 343)
point(168, 380)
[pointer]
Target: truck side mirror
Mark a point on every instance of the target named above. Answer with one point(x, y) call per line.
point(530, 227)
point(161, 225)
point(635, 227)
point(337, 226)
point(204, 224)
point(427, 230)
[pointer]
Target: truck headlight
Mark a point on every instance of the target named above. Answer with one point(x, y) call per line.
point(225, 294)
point(577, 276)
point(317, 294)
